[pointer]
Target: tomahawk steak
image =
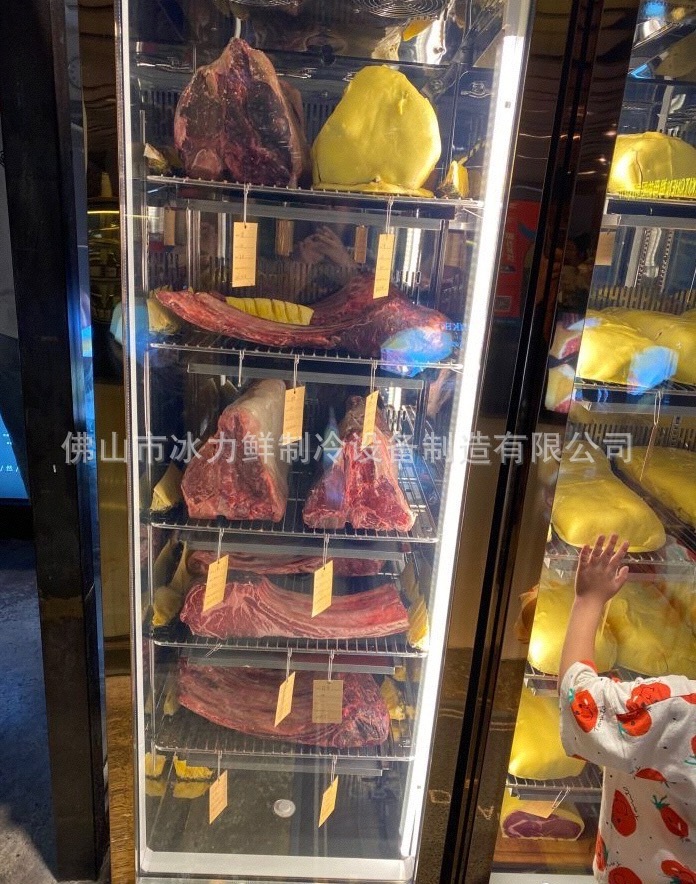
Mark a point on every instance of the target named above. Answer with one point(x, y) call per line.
point(253, 607)
point(224, 479)
point(236, 121)
point(245, 700)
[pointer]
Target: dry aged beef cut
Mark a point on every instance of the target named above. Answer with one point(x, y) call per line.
point(224, 480)
point(253, 607)
point(393, 329)
point(199, 561)
point(236, 121)
point(360, 487)
point(245, 700)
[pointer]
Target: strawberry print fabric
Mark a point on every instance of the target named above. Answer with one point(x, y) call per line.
point(643, 733)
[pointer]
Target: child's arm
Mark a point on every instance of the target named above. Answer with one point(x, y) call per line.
point(599, 577)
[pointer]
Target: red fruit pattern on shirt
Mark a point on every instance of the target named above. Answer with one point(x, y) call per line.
point(649, 773)
point(678, 874)
point(690, 698)
point(600, 855)
point(635, 723)
point(622, 875)
point(644, 695)
point(623, 819)
point(676, 825)
point(584, 709)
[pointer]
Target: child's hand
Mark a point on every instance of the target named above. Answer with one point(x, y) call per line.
point(599, 576)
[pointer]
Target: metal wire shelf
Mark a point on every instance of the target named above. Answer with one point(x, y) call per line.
point(188, 734)
point(678, 214)
point(586, 788)
point(619, 399)
point(419, 499)
point(544, 683)
point(563, 558)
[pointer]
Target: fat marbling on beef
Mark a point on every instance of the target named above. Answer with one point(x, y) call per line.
point(253, 607)
point(360, 486)
point(223, 480)
point(199, 561)
point(404, 336)
point(245, 700)
point(236, 121)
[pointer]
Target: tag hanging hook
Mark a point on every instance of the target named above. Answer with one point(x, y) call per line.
point(326, 549)
point(331, 659)
point(219, 548)
point(334, 763)
point(373, 372)
point(390, 203)
point(287, 664)
point(239, 373)
point(219, 763)
point(294, 371)
point(244, 205)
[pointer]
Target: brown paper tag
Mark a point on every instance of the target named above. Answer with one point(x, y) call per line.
point(543, 809)
point(360, 245)
point(244, 253)
point(169, 236)
point(217, 797)
point(284, 234)
point(284, 704)
point(215, 584)
point(328, 802)
point(327, 701)
point(368, 433)
point(323, 588)
point(383, 266)
point(293, 414)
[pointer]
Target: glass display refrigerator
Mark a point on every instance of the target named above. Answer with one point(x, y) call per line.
point(314, 200)
point(620, 382)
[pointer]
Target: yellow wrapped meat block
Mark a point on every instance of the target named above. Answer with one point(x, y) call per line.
point(590, 501)
point(649, 157)
point(646, 627)
point(682, 596)
point(537, 753)
point(682, 656)
point(615, 353)
point(539, 819)
point(383, 137)
point(669, 475)
point(553, 604)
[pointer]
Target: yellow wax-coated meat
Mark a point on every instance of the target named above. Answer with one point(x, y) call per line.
point(669, 475)
point(537, 753)
point(154, 765)
point(186, 771)
point(682, 655)
point(646, 627)
point(682, 596)
point(189, 790)
point(553, 604)
point(590, 501)
point(419, 627)
point(613, 352)
point(383, 135)
point(273, 309)
point(647, 157)
point(393, 699)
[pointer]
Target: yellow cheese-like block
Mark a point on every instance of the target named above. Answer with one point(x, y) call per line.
point(161, 320)
point(669, 475)
point(590, 501)
point(393, 699)
point(383, 135)
point(615, 353)
point(553, 604)
point(646, 627)
point(189, 790)
point(647, 157)
point(537, 753)
point(273, 309)
point(186, 771)
point(682, 655)
point(542, 810)
point(154, 765)
point(419, 627)
point(167, 492)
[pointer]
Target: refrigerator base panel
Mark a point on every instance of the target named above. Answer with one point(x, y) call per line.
point(519, 877)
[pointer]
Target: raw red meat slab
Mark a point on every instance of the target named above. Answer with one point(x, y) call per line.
point(360, 487)
point(236, 121)
point(245, 700)
point(199, 561)
point(241, 489)
point(253, 607)
point(350, 319)
point(521, 824)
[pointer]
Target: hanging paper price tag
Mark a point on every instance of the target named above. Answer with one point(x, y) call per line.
point(215, 584)
point(542, 809)
point(293, 414)
point(383, 266)
point(244, 253)
point(327, 701)
point(360, 246)
point(284, 704)
point(217, 797)
point(285, 231)
point(169, 236)
point(368, 433)
point(328, 802)
point(323, 588)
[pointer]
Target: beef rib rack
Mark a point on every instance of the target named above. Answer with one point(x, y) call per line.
point(236, 121)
